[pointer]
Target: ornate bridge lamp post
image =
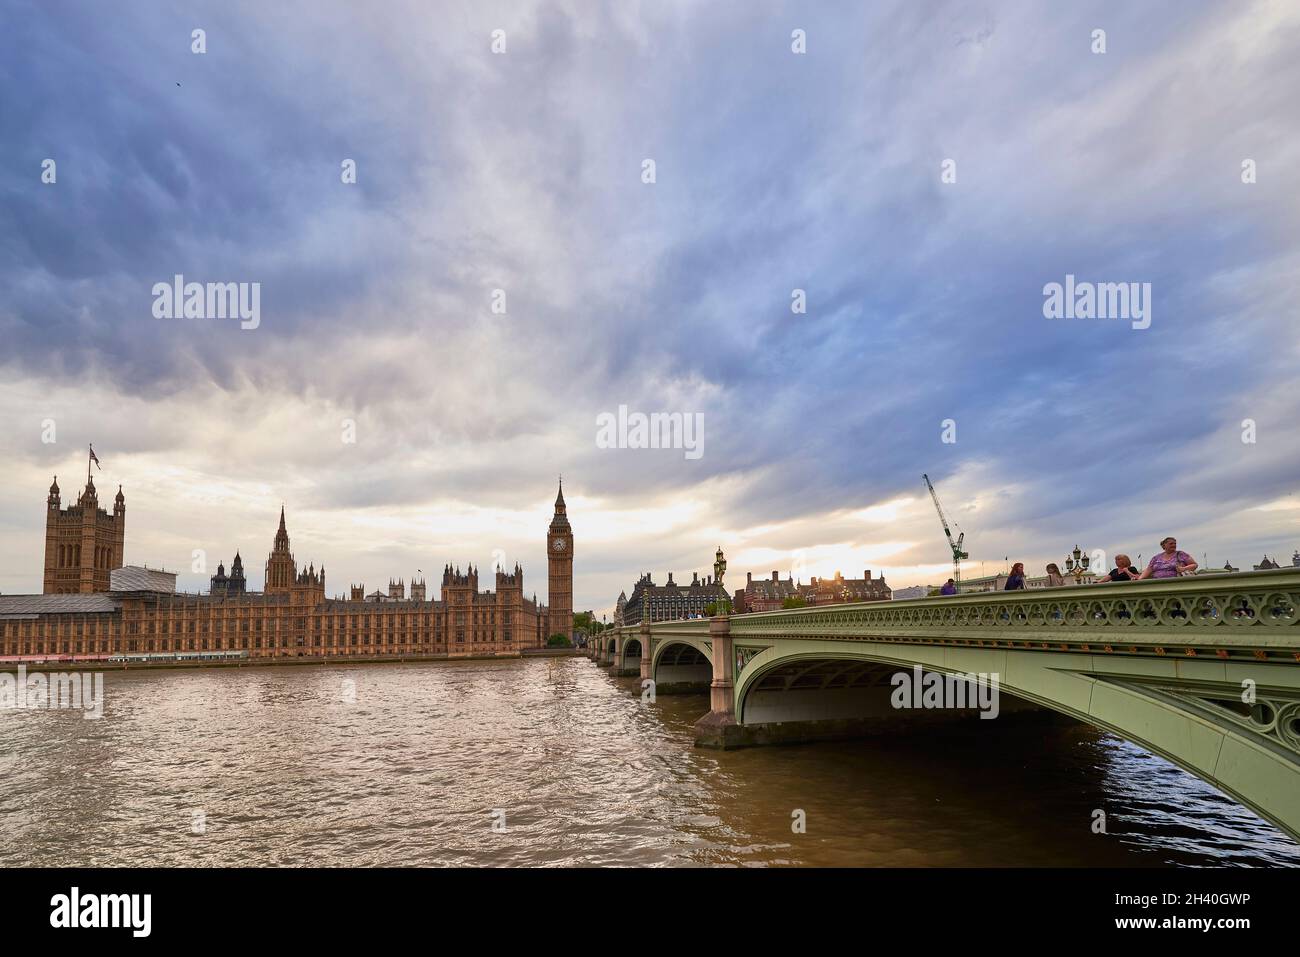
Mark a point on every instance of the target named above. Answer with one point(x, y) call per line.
point(720, 569)
point(717, 729)
point(1076, 563)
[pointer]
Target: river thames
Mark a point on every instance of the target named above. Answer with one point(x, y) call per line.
point(550, 762)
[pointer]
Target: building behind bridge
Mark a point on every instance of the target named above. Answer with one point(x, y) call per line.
point(914, 591)
point(998, 582)
point(770, 594)
point(671, 600)
point(1272, 564)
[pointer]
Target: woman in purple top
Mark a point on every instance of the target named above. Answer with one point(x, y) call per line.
point(1170, 563)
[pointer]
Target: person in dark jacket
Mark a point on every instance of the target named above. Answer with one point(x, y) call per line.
point(949, 588)
point(1122, 572)
point(1017, 577)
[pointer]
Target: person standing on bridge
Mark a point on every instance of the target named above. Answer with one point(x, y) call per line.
point(1122, 572)
point(949, 588)
point(1016, 579)
point(1054, 576)
point(1170, 563)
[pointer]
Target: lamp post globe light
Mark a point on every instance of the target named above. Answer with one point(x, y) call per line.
point(1077, 563)
point(720, 569)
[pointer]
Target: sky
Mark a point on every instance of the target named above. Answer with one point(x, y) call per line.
point(438, 341)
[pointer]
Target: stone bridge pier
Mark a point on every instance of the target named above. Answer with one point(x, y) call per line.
point(718, 728)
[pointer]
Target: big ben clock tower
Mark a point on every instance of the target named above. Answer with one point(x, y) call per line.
point(559, 552)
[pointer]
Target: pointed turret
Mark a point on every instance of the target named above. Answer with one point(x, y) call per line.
point(560, 522)
point(281, 570)
point(282, 535)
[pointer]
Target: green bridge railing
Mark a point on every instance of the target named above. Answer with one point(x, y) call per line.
point(1229, 615)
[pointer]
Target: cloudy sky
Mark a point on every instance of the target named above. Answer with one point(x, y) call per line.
point(524, 171)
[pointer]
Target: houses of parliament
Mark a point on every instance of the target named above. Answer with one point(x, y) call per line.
point(94, 606)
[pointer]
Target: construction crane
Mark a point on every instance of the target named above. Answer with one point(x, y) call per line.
point(957, 553)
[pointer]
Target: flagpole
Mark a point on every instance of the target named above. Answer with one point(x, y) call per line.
point(91, 452)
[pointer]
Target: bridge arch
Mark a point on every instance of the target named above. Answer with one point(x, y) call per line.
point(681, 661)
point(1178, 709)
point(604, 648)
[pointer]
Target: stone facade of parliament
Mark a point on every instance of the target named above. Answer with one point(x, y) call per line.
point(83, 543)
point(94, 606)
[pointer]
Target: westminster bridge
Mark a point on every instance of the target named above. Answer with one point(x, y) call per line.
point(1202, 670)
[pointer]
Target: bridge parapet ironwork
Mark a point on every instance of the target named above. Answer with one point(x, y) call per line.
point(1246, 613)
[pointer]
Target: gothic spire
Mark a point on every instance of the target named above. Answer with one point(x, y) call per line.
point(282, 535)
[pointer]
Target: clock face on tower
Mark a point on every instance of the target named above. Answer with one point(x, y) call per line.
point(559, 544)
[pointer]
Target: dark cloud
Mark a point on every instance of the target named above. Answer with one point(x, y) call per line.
point(775, 172)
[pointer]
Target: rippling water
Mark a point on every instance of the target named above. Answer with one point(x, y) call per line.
point(287, 772)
